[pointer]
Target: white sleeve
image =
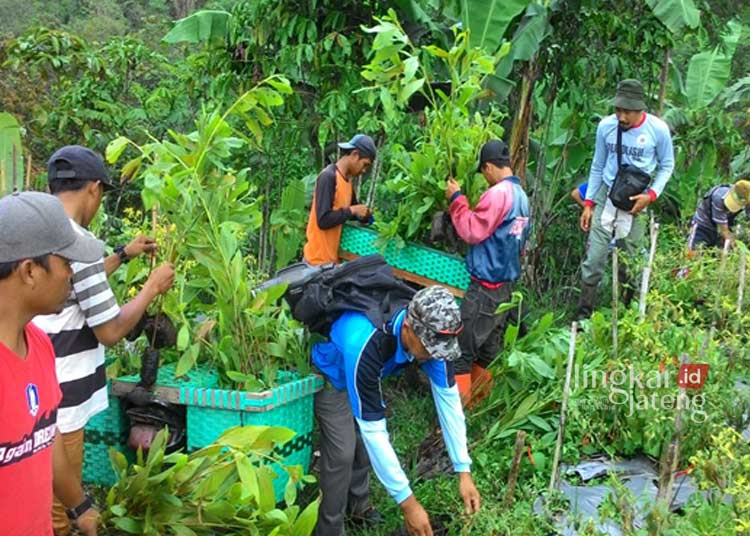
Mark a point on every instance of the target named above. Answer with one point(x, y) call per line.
point(383, 459)
point(453, 423)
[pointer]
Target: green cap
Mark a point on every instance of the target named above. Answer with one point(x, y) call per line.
point(629, 95)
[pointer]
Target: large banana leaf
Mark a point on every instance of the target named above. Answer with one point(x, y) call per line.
point(675, 14)
point(488, 20)
point(10, 137)
point(532, 30)
point(732, 36)
point(738, 92)
point(205, 25)
point(707, 76)
point(415, 13)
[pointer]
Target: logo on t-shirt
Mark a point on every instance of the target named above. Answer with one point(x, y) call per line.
point(641, 140)
point(519, 224)
point(32, 399)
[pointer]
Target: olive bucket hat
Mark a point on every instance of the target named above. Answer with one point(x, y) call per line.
point(629, 95)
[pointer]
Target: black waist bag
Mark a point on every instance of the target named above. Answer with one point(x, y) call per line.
point(628, 182)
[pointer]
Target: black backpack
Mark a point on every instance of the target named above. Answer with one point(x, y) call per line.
point(318, 295)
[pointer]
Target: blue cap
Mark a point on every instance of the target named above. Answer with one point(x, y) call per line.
point(363, 143)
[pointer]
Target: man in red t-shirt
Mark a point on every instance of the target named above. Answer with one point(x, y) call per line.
point(37, 243)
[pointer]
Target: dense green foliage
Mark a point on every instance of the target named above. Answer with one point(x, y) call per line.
point(222, 120)
point(224, 488)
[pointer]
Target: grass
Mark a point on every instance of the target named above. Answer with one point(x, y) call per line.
point(411, 417)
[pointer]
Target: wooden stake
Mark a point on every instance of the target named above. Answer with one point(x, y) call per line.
point(154, 225)
point(663, 81)
point(741, 288)
point(647, 270)
point(717, 301)
point(564, 406)
point(672, 455)
point(3, 179)
point(28, 172)
point(615, 299)
point(14, 166)
point(515, 467)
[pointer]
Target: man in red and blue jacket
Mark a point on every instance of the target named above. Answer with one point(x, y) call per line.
point(496, 231)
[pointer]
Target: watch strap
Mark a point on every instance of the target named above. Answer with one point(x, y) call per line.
point(78, 511)
point(120, 252)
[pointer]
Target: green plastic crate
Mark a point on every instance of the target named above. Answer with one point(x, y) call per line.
point(106, 429)
point(211, 411)
point(417, 259)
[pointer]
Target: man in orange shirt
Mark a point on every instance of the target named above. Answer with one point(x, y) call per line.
point(334, 201)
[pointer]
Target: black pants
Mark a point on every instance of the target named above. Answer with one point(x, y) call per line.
point(482, 336)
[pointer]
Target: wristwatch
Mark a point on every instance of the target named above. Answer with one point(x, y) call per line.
point(78, 511)
point(120, 252)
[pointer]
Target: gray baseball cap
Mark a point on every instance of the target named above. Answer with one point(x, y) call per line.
point(33, 224)
point(363, 143)
point(436, 319)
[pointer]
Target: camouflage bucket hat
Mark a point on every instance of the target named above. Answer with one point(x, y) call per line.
point(435, 318)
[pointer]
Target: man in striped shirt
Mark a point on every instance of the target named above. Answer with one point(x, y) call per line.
point(91, 318)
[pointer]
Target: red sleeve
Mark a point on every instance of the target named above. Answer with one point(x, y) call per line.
point(474, 226)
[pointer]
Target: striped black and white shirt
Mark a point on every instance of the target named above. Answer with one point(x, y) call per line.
point(79, 354)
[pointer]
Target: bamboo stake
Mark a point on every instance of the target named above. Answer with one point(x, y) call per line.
point(647, 270)
point(672, 455)
point(515, 467)
point(374, 177)
point(564, 406)
point(3, 179)
point(741, 288)
point(160, 302)
point(615, 297)
point(717, 301)
point(28, 172)
point(15, 168)
point(154, 225)
point(663, 81)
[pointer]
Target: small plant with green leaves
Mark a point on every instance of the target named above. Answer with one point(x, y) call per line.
point(209, 210)
point(723, 469)
point(451, 82)
point(225, 488)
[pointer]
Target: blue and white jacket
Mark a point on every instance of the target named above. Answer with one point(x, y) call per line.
point(357, 357)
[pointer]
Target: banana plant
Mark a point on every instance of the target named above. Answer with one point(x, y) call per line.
point(11, 154)
point(202, 26)
point(676, 14)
